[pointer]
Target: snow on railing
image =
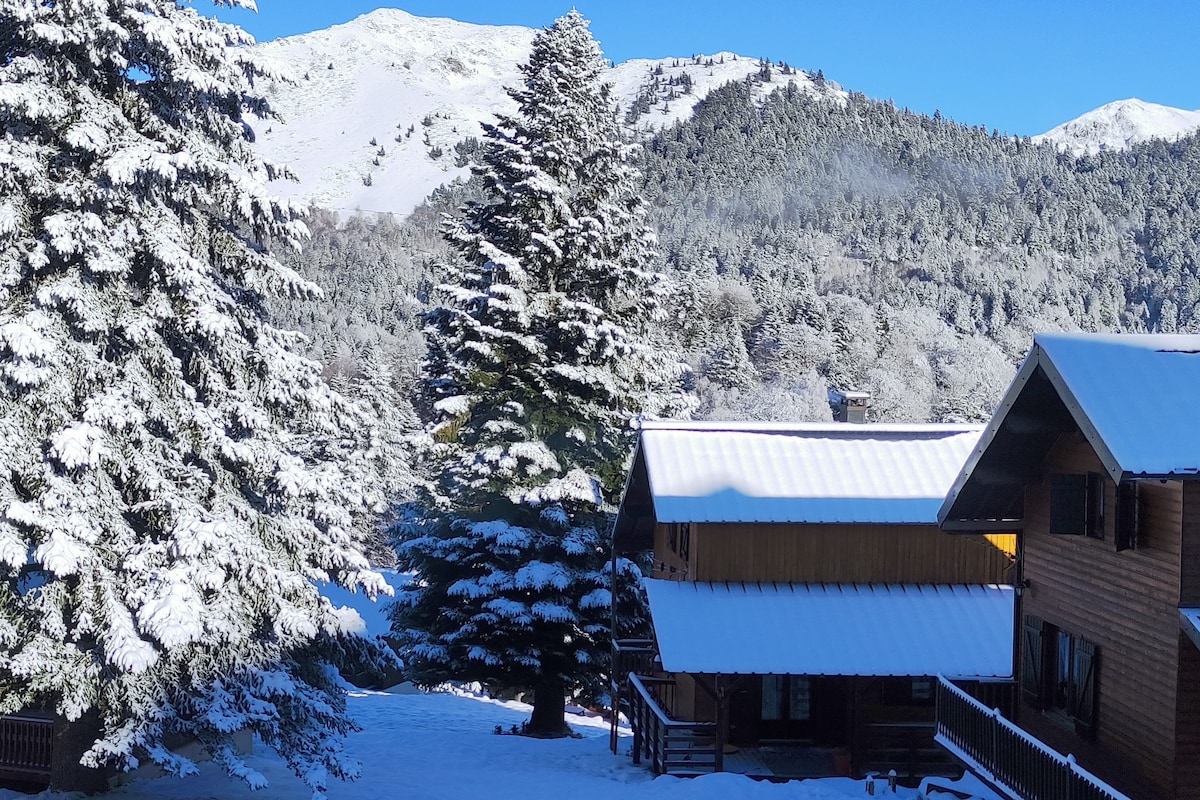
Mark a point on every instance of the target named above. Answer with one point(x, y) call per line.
point(1005, 755)
point(673, 747)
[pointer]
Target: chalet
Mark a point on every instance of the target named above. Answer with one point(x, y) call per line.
point(1093, 459)
point(802, 597)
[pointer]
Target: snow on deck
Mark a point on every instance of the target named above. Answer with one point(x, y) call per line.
point(820, 473)
point(1138, 391)
point(832, 629)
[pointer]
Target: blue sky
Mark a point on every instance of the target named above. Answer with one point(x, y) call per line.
point(1022, 66)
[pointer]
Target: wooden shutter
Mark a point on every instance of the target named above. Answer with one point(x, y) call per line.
point(1032, 662)
point(1084, 687)
point(1095, 505)
point(1068, 504)
point(1128, 516)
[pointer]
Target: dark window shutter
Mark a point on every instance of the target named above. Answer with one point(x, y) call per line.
point(1084, 683)
point(1032, 660)
point(1068, 504)
point(1095, 505)
point(1128, 516)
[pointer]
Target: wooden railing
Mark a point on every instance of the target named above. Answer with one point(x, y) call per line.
point(632, 655)
point(629, 656)
point(26, 747)
point(1003, 754)
point(906, 747)
point(672, 747)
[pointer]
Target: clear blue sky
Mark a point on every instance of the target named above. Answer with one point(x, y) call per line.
point(1022, 66)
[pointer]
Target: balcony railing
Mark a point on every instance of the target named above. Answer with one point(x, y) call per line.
point(672, 747)
point(1008, 757)
point(632, 655)
point(26, 747)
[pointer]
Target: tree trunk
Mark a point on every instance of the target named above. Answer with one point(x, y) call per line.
point(548, 719)
point(71, 741)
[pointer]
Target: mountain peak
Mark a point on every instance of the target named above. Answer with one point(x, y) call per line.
point(1117, 125)
point(376, 105)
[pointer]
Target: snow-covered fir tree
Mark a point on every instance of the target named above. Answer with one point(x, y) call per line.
point(174, 476)
point(540, 360)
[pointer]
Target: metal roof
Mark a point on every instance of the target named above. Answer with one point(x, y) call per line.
point(1131, 395)
point(833, 629)
point(819, 473)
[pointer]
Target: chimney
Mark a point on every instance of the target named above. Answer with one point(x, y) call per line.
point(849, 405)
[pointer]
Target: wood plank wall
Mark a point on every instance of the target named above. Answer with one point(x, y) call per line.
point(1125, 602)
point(667, 563)
point(1187, 730)
point(844, 554)
point(1189, 556)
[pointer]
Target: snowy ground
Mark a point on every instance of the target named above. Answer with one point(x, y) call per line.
point(426, 746)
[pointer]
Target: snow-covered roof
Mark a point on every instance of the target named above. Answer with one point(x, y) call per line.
point(833, 629)
point(1130, 395)
point(821, 473)
point(1137, 392)
point(1190, 620)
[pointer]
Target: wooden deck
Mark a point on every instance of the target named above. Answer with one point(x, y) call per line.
point(785, 762)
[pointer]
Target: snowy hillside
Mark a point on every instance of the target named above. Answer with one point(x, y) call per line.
point(1118, 125)
point(377, 104)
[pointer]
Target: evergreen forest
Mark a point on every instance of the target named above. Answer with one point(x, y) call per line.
point(826, 239)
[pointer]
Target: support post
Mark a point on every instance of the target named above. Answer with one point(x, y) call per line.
point(722, 723)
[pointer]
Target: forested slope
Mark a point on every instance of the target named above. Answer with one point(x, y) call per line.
point(818, 239)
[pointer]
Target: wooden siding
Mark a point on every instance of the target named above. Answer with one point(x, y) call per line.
point(843, 554)
point(1124, 602)
point(1189, 556)
point(1187, 723)
point(667, 563)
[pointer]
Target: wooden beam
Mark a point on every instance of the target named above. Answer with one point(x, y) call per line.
point(983, 525)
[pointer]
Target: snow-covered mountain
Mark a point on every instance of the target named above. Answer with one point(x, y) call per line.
point(375, 106)
point(1118, 125)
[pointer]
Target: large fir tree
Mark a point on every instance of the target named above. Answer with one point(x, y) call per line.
point(174, 476)
point(539, 361)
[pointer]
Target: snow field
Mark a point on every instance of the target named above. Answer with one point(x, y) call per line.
point(440, 746)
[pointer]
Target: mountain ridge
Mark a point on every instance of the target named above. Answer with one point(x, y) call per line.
point(375, 106)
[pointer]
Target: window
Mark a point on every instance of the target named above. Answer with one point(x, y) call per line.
point(679, 538)
point(1077, 505)
point(1129, 515)
point(1058, 673)
point(786, 697)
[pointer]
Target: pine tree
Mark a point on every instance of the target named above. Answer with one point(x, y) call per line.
point(539, 361)
point(174, 475)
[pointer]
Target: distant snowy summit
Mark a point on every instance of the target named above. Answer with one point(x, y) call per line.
point(376, 106)
point(1118, 125)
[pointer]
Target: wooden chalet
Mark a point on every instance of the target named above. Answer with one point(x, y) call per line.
point(1093, 459)
point(803, 598)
